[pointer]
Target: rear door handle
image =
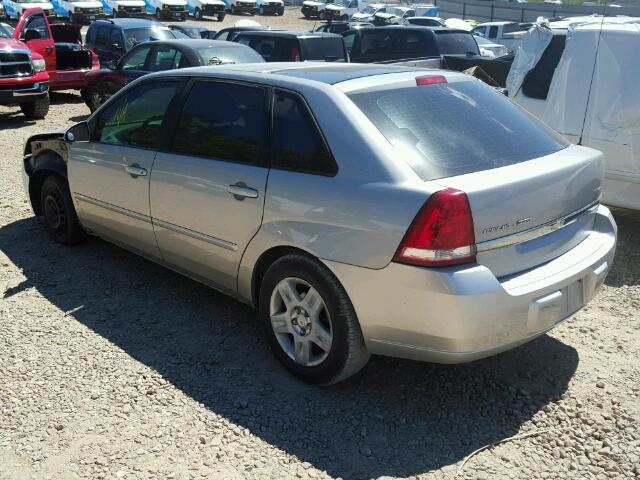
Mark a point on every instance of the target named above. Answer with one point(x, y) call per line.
point(241, 191)
point(135, 170)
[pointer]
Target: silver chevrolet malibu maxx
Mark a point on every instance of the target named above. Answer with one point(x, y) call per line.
point(362, 209)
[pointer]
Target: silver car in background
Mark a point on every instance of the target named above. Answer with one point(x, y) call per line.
point(363, 209)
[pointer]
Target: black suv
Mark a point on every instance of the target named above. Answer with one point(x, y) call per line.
point(295, 47)
point(111, 39)
point(387, 44)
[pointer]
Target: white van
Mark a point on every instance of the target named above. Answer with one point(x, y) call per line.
point(551, 78)
point(13, 9)
point(242, 6)
point(170, 9)
point(341, 10)
point(207, 8)
point(270, 7)
point(124, 8)
point(78, 11)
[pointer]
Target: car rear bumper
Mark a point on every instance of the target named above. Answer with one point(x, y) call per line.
point(89, 17)
point(461, 314)
point(13, 94)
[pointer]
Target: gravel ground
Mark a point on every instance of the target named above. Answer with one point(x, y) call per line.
point(113, 367)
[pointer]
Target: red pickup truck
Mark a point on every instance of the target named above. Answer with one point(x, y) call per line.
point(42, 57)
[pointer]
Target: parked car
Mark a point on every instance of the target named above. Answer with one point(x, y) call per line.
point(25, 81)
point(125, 8)
point(489, 49)
point(111, 39)
point(173, 9)
point(340, 10)
point(207, 8)
point(230, 33)
point(314, 9)
point(14, 9)
point(295, 47)
point(367, 14)
point(163, 55)
point(340, 27)
point(3, 14)
point(393, 15)
point(393, 43)
point(587, 93)
point(236, 7)
point(67, 60)
point(425, 21)
point(209, 34)
point(360, 227)
point(188, 30)
point(79, 11)
point(270, 7)
point(503, 33)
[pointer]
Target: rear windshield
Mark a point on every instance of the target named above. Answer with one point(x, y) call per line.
point(226, 55)
point(456, 43)
point(323, 48)
point(451, 129)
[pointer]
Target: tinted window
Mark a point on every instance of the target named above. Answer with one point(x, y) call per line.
point(225, 55)
point(272, 49)
point(415, 42)
point(222, 120)
point(456, 128)
point(36, 22)
point(510, 28)
point(493, 31)
point(166, 58)
point(135, 59)
point(222, 35)
point(297, 142)
point(102, 36)
point(323, 48)
point(135, 120)
point(538, 80)
point(454, 43)
point(348, 39)
point(373, 42)
point(115, 39)
point(91, 34)
point(479, 31)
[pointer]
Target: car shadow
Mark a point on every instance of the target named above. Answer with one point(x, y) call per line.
point(626, 264)
point(398, 418)
point(59, 98)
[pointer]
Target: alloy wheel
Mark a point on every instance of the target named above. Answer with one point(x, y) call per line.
point(54, 211)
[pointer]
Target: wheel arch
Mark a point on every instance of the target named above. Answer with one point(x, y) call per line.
point(46, 163)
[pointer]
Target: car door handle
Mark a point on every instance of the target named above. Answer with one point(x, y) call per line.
point(241, 191)
point(135, 170)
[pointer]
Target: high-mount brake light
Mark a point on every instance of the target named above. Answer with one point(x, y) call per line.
point(430, 80)
point(441, 234)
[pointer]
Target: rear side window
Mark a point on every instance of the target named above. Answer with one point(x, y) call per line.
point(102, 36)
point(323, 48)
point(538, 80)
point(166, 58)
point(510, 28)
point(415, 42)
point(451, 129)
point(493, 31)
point(91, 34)
point(136, 59)
point(222, 121)
point(456, 43)
point(297, 142)
point(372, 41)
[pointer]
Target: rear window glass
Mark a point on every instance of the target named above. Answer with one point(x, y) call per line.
point(456, 128)
point(226, 55)
point(327, 48)
point(451, 43)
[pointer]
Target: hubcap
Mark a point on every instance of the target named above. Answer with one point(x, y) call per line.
point(301, 321)
point(54, 212)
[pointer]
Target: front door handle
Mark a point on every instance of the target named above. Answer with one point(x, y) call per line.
point(135, 170)
point(240, 191)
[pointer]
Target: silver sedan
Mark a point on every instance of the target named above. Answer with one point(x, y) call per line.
point(363, 209)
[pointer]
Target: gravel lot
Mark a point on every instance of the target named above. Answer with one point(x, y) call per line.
point(113, 367)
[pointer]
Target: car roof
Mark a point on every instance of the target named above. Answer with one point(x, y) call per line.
point(290, 34)
point(129, 22)
point(197, 43)
point(415, 27)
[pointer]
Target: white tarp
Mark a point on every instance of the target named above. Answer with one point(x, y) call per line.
point(531, 48)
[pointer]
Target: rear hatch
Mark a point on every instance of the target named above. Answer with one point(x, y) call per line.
point(531, 194)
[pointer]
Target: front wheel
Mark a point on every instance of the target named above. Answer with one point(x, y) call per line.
point(93, 97)
point(345, 18)
point(221, 17)
point(158, 14)
point(261, 10)
point(114, 13)
point(197, 14)
point(58, 212)
point(309, 321)
point(36, 110)
point(233, 9)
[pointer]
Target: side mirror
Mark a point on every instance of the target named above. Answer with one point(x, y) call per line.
point(116, 46)
point(31, 34)
point(78, 133)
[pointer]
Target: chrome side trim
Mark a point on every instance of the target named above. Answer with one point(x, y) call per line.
point(113, 208)
point(535, 232)
point(197, 235)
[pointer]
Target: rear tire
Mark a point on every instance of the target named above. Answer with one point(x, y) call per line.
point(221, 17)
point(158, 14)
point(197, 14)
point(36, 110)
point(93, 97)
point(58, 212)
point(327, 317)
point(261, 10)
point(233, 9)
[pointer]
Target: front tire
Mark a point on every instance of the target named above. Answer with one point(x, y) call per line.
point(233, 9)
point(58, 212)
point(221, 17)
point(36, 110)
point(261, 10)
point(310, 322)
point(197, 14)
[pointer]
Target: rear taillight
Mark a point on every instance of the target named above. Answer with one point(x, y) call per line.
point(430, 80)
point(441, 234)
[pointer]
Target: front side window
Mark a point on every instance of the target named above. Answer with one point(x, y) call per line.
point(135, 59)
point(223, 121)
point(115, 39)
point(37, 22)
point(222, 36)
point(413, 42)
point(479, 31)
point(493, 31)
point(135, 120)
point(166, 58)
point(456, 43)
point(297, 142)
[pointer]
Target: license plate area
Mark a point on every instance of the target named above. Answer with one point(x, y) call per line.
point(546, 311)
